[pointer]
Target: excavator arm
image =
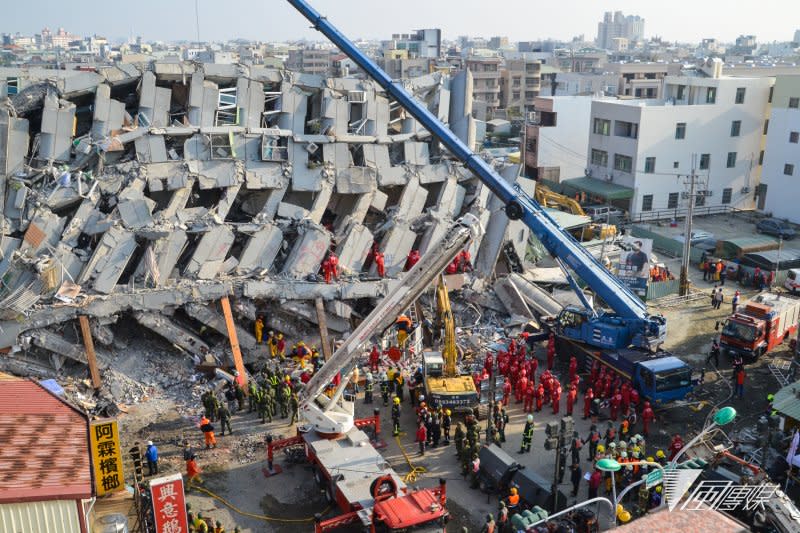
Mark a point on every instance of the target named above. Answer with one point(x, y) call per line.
point(449, 351)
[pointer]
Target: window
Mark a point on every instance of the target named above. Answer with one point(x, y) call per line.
point(700, 199)
point(681, 94)
point(626, 129)
point(794, 136)
point(602, 126)
point(680, 130)
point(711, 95)
point(705, 161)
point(672, 202)
point(599, 158)
point(740, 95)
point(736, 128)
point(761, 157)
point(766, 126)
point(731, 160)
point(647, 202)
point(771, 90)
point(794, 102)
point(788, 169)
point(623, 163)
point(649, 165)
point(726, 195)
point(675, 164)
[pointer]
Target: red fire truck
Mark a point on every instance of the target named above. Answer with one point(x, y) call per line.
point(760, 324)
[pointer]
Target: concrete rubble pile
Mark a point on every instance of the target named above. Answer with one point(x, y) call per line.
point(141, 195)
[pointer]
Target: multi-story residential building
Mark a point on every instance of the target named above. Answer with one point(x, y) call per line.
point(398, 66)
point(641, 80)
point(485, 80)
point(716, 125)
point(780, 177)
point(421, 43)
point(310, 60)
point(577, 83)
point(617, 25)
point(520, 82)
point(557, 138)
point(581, 60)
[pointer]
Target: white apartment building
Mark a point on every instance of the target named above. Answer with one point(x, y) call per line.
point(648, 145)
point(557, 140)
point(780, 178)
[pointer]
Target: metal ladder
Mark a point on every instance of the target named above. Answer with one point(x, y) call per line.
point(782, 371)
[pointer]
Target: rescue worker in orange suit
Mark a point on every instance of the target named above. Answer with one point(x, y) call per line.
point(587, 403)
point(208, 432)
point(259, 329)
point(573, 368)
point(572, 396)
point(539, 397)
point(404, 327)
point(512, 500)
point(551, 351)
point(412, 259)
point(647, 416)
point(380, 264)
point(192, 471)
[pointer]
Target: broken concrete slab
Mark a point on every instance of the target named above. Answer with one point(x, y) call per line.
point(109, 260)
point(58, 123)
point(108, 113)
point(210, 253)
point(43, 232)
point(310, 248)
point(165, 253)
point(213, 319)
point(511, 298)
point(174, 333)
point(261, 250)
point(353, 247)
point(154, 102)
point(57, 344)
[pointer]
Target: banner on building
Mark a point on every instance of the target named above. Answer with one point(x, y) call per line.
point(633, 268)
point(106, 456)
point(169, 504)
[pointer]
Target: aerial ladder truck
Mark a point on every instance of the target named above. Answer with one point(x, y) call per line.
point(595, 333)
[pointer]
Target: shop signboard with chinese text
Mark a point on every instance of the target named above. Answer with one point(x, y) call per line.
point(106, 456)
point(169, 504)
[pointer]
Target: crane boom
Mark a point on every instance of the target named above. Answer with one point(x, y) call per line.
point(335, 415)
point(644, 329)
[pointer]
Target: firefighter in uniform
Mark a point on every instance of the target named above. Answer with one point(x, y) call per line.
point(527, 435)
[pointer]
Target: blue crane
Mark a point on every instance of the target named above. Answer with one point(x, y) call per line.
point(629, 324)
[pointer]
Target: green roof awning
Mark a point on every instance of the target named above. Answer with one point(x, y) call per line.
point(787, 402)
point(604, 189)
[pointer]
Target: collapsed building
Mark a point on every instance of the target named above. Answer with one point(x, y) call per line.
point(150, 192)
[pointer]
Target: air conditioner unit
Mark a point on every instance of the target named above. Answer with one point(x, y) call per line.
point(357, 97)
point(312, 148)
point(745, 190)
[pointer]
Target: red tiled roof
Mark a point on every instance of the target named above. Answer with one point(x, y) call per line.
point(44, 447)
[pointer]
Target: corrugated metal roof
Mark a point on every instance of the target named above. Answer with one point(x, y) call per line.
point(787, 402)
point(45, 451)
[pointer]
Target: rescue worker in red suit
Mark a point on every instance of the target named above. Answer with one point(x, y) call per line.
point(595, 371)
point(626, 399)
point(607, 387)
point(539, 397)
point(411, 260)
point(452, 268)
point(506, 391)
point(675, 446)
point(556, 396)
point(647, 416)
point(334, 262)
point(573, 368)
point(616, 400)
point(587, 403)
point(380, 264)
point(634, 398)
point(534, 367)
point(530, 393)
point(374, 358)
point(551, 351)
point(326, 269)
point(488, 363)
point(572, 396)
point(522, 384)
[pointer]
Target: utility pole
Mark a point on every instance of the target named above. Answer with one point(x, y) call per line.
point(687, 236)
point(778, 263)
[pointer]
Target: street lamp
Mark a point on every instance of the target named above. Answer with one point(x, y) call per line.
point(607, 464)
point(723, 417)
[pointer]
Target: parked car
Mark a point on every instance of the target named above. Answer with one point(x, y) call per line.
point(778, 228)
point(601, 213)
point(702, 240)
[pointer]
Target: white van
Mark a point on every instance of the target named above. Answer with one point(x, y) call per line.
point(792, 282)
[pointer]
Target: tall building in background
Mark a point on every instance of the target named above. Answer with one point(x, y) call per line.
point(616, 25)
point(422, 43)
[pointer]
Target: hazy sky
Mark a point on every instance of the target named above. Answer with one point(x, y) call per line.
point(276, 20)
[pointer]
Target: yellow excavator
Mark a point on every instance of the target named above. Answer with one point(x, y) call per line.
point(550, 198)
point(444, 386)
